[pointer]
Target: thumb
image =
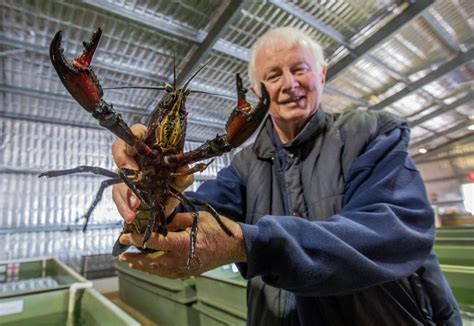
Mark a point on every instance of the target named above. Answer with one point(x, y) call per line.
point(180, 221)
point(183, 181)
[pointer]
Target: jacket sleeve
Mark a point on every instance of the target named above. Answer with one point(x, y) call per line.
point(225, 193)
point(384, 232)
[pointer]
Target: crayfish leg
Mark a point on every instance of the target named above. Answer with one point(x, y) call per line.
point(115, 179)
point(145, 198)
point(126, 179)
point(79, 169)
point(196, 168)
point(150, 226)
point(192, 241)
point(193, 234)
point(213, 212)
point(98, 197)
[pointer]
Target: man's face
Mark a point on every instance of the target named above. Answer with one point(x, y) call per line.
point(292, 80)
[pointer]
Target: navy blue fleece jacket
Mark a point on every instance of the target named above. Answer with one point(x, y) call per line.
point(384, 232)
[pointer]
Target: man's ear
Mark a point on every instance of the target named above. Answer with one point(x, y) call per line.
point(324, 71)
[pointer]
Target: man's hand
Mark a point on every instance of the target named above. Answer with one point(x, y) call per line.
point(126, 201)
point(213, 247)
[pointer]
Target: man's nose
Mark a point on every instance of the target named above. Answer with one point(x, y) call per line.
point(289, 82)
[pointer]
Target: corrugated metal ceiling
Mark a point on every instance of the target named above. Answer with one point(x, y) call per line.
point(412, 58)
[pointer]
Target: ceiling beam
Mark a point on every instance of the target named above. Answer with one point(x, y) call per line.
point(440, 31)
point(232, 50)
point(379, 36)
point(461, 125)
point(445, 147)
point(432, 76)
point(169, 27)
point(392, 72)
point(336, 92)
point(155, 23)
point(309, 19)
point(226, 17)
point(444, 158)
point(444, 109)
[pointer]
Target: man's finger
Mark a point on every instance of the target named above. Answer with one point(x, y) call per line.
point(123, 153)
point(132, 199)
point(161, 265)
point(182, 182)
point(180, 221)
point(174, 241)
point(121, 158)
point(121, 202)
point(121, 195)
point(137, 261)
point(138, 130)
point(170, 206)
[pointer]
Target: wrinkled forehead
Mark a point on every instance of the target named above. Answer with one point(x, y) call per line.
point(282, 53)
point(280, 45)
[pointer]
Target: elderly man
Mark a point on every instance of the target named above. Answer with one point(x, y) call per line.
point(330, 218)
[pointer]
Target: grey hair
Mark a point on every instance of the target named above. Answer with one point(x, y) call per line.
point(290, 36)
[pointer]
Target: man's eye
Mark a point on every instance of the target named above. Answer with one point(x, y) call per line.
point(300, 70)
point(272, 78)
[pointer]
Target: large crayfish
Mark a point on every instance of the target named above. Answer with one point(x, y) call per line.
point(160, 152)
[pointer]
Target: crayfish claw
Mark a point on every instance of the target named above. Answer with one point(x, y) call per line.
point(85, 58)
point(77, 76)
point(246, 118)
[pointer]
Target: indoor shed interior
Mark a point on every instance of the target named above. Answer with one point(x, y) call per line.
point(414, 59)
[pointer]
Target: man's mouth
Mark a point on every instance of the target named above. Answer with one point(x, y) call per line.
point(292, 99)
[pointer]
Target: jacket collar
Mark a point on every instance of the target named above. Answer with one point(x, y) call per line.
point(264, 146)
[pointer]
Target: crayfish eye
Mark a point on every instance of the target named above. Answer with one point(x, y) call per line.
point(186, 92)
point(169, 88)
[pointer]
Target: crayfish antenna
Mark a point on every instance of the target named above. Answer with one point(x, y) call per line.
point(227, 97)
point(195, 74)
point(174, 70)
point(158, 88)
